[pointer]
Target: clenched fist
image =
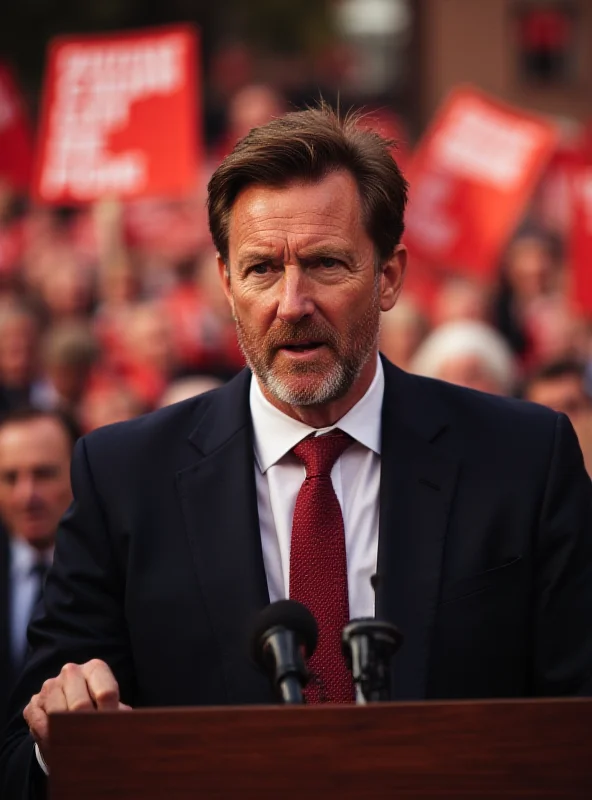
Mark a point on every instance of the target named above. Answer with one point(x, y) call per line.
point(78, 687)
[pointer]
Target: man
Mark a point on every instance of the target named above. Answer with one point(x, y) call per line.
point(19, 352)
point(70, 353)
point(474, 510)
point(561, 385)
point(35, 451)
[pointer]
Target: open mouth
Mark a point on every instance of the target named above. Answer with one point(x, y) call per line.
point(302, 347)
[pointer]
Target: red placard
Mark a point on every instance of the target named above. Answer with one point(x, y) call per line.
point(581, 238)
point(16, 141)
point(119, 117)
point(470, 180)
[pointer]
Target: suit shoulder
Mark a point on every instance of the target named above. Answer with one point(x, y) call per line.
point(487, 411)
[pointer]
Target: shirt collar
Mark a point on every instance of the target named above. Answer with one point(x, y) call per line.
point(275, 433)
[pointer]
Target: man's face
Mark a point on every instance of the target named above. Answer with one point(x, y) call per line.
point(303, 288)
point(564, 394)
point(34, 478)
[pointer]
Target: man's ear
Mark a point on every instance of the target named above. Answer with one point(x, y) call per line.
point(224, 273)
point(392, 276)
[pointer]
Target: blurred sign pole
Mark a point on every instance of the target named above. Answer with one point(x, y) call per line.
point(16, 141)
point(119, 117)
point(471, 178)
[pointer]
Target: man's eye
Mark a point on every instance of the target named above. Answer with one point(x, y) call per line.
point(259, 269)
point(328, 263)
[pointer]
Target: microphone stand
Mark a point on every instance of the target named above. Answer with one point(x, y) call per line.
point(368, 646)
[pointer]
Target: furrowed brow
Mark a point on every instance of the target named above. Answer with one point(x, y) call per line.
point(327, 251)
point(252, 257)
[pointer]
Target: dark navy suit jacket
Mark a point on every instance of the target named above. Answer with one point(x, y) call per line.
point(485, 555)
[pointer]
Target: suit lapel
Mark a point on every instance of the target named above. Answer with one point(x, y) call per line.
point(418, 479)
point(219, 502)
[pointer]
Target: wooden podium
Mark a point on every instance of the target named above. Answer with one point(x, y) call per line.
point(491, 749)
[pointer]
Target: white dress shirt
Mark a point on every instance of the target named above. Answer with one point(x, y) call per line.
point(279, 475)
point(24, 588)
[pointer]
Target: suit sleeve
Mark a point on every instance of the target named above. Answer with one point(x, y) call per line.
point(83, 619)
point(563, 627)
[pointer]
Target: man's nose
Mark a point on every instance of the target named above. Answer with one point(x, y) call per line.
point(25, 490)
point(295, 299)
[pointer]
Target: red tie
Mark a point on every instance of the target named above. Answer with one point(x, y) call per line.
point(318, 565)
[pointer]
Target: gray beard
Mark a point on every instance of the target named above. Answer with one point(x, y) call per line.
point(334, 384)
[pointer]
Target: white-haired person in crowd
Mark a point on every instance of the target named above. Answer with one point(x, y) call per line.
point(468, 353)
point(402, 331)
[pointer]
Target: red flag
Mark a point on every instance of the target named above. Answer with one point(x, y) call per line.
point(16, 141)
point(471, 178)
point(119, 117)
point(581, 238)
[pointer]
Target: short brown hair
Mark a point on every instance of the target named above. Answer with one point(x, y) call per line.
point(30, 413)
point(306, 146)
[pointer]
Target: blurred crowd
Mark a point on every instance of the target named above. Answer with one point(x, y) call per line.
point(110, 311)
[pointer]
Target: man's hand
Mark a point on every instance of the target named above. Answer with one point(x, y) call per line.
point(78, 687)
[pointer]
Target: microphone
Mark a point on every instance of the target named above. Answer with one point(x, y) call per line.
point(282, 635)
point(368, 645)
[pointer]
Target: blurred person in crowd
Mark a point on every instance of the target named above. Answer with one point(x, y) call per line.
point(250, 107)
point(12, 240)
point(191, 386)
point(70, 354)
point(205, 511)
point(42, 237)
point(555, 331)
point(119, 289)
point(66, 286)
point(118, 285)
point(149, 359)
point(461, 298)
point(109, 403)
point(231, 68)
point(561, 385)
point(203, 329)
point(188, 308)
point(35, 451)
point(19, 353)
point(119, 281)
point(531, 271)
point(468, 353)
point(403, 329)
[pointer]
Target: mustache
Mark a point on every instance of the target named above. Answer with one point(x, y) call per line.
point(301, 332)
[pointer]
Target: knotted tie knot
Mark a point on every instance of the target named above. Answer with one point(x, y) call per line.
point(319, 453)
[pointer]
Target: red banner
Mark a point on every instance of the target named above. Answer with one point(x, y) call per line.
point(581, 239)
point(471, 178)
point(16, 141)
point(119, 117)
